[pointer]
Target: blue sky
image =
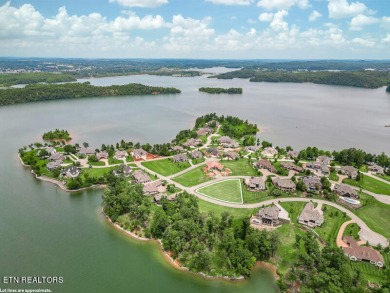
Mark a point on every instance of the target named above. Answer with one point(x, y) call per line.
point(237, 29)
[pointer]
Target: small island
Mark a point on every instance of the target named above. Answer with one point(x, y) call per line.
point(57, 135)
point(218, 90)
point(220, 202)
point(45, 92)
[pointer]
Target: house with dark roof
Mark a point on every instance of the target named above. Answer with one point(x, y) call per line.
point(139, 154)
point(140, 177)
point(345, 191)
point(251, 148)
point(196, 155)
point(374, 168)
point(71, 172)
point(291, 166)
point(271, 216)
point(269, 152)
point(56, 157)
point(85, 151)
point(255, 183)
point(153, 187)
point(355, 252)
point(311, 216)
point(232, 156)
point(192, 142)
point(350, 171)
point(204, 131)
point(286, 185)
point(123, 169)
point(228, 142)
point(177, 148)
point(313, 183)
point(180, 158)
point(324, 160)
point(292, 154)
point(317, 166)
point(54, 165)
point(212, 152)
point(265, 164)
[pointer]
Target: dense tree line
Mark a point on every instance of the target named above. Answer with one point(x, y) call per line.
point(218, 90)
point(237, 128)
point(358, 157)
point(42, 92)
point(365, 79)
point(57, 134)
point(34, 77)
point(202, 242)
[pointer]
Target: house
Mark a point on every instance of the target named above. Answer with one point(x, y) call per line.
point(192, 142)
point(312, 183)
point(139, 154)
point(85, 151)
point(180, 158)
point(228, 142)
point(290, 166)
point(292, 154)
point(177, 148)
point(212, 152)
point(317, 166)
point(204, 131)
point(50, 150)
point(271, 216)
point(284, 184)
point(350, 171)
point(140, 177)
point(196, 155)
point(355, 252)
point(71, 172)
point(255, 183)
point(153, 187)
point(213, 166)
point(311, 216)
point(54, 165)
point(102, 155)
point(374, 168)
point(56, 157)
point(345, 190)
point(119, 155)
point(127, 170)
point(251, 148)
point(269, 152)
point(265, 164)
point(323, 160)
point(232, 156)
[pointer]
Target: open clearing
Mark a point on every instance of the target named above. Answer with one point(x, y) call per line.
point(166, 167)
point(228, 190)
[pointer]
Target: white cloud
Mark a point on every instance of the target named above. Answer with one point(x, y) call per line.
point(282, 4)
point(386, 39)
point(364, 42)
point(362, 20)
point(140, 3)
point(231, 2)
point(278, 23)
point(342, 9)
point(266, 16)
point(314, 15)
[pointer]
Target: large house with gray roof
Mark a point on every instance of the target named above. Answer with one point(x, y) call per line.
point(196, 155)
point(180, 158)
point(312, 183)
point(139, 154)
point(71, 172)
point(311, 216)
point(54, 165)
point(271, 216)
point(265, 164)
point(102, 155)
point(228, 142)
point(345, 191)
point(119, 155)
point(286, 185)
point(85, 151)
point(291, 166)
point(192, 142)
point(350, 171)
point(140, 177)
point(232, 156)
point(255, 183)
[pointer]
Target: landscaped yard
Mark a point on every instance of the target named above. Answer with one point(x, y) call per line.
point(113, 161)
point(100, 163)
point(242, 167)
point(294, 209)
point(253, 196)
point(192, 178)
point(333, 176)
point(96, 172)
point(377, 216)
point(228, 190)
point(331, 226)
point(166, 167)
point(238, 214)
point(370, 184)
point(352, 230)
point(371, 272)
point(384, 177)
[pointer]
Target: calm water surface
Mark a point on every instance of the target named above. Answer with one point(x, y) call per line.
point(46, 232)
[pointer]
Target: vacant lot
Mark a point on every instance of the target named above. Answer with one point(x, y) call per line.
point(240, 167)
point(192, 178)
point(370, 184)
point(377, 216)
point(227, 190)
point(166, 167)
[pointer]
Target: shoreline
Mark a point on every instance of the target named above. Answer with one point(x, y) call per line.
point(175, 264)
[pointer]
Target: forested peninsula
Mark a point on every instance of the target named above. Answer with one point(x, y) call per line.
point(34, 77)
point(218, 90)
point(45, 92)
point(364, 79)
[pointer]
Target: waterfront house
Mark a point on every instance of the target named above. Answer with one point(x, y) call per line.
point(85, 151)
point(350, 171)
point(71, 172)
point(265, 164)
point(345, 191)
point(139, 154)
point(204, 131)
point(323, 160)
point(292, 154)
point(180, 158)
point(177, 148)
point(374, 168)
point(153, 187)
point(355, 252)
point(140, 177)
point(313, 183)
point(255, 183)
point(54, 165)
point(311, 216)
point(286, 185)
point(192, 142)
point(56, 157)
point(119, 155)
point(290, 166)
point(269, 152)
point(102, 155)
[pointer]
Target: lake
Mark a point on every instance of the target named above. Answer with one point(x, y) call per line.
point(48, 232)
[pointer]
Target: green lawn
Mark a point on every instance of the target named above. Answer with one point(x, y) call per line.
point(370, 184)
point(241, 167)
point(253, 196)
point(193, 177)
point(96, 172)
point(228, 190)
point(97, 163)
point(331, 226)
point(113, 161)
point(352, 230)
point(166, 167)
point(294, 209)
point(333, 176)
point(206, 207)
point(377, 216)
point(129, 159)
point(384, 177)
point(198, 161)
point(371, 272)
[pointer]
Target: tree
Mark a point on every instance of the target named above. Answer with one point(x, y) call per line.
point(159, 223)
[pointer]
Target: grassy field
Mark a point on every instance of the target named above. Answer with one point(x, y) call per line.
point(206, 207)
point(331, 226)
point(240, 167)
point(228, 190)
point(384, 177)
point(97, 172)
point(193, 177)
point(294, 209)
point(198, 161)
point(377, 216)
point(253, 196)
point(166, 167)
point(96, 163)
point(352, 230)
point(370, 184)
